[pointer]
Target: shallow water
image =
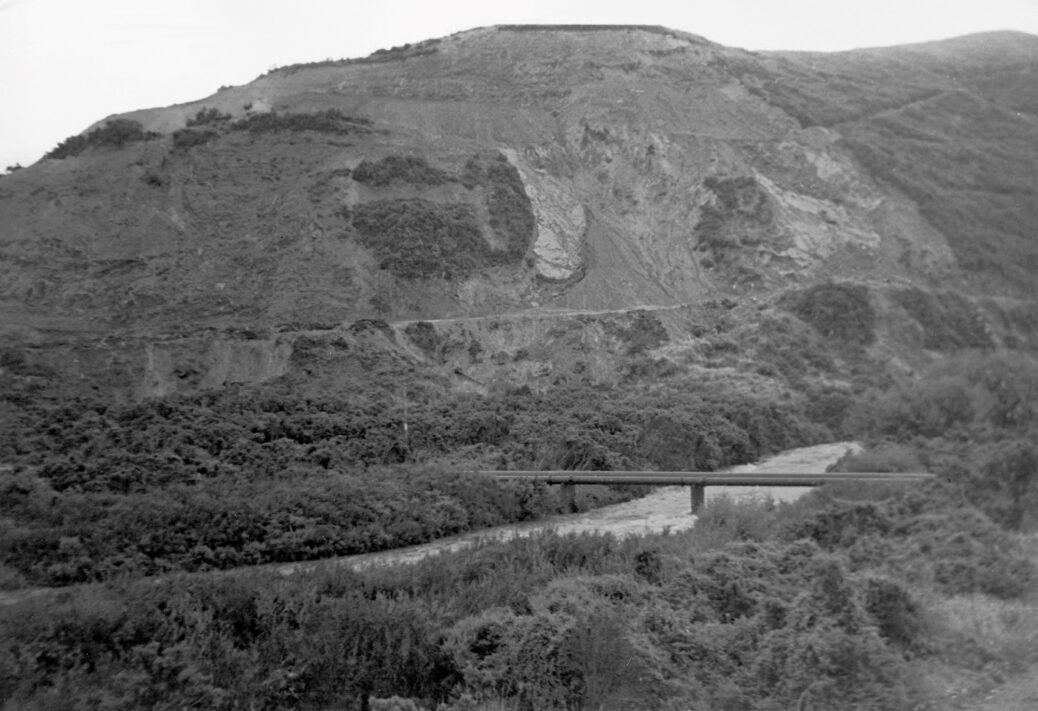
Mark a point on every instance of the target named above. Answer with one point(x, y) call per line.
point(666, 508)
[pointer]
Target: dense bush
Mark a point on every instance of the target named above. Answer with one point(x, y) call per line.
point(218, 481)
point(737, 202)
point(639, 331)
point(115, 133)
point(927, 541)
point(405, 169)
point(511, 214)
point(419, 239)
point(972, 420)
point(549, 622)
point(423, 334)
point(185, 139)
point(985, 394)
point(207, 116)
point(76, 537)
point(838, 311)
point(950, 322)
point(722, 616)
point(329, 121)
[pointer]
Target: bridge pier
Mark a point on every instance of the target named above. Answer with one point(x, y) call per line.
point(698, 496)
point(568, 498)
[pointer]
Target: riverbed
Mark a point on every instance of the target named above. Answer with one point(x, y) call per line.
point(665, 509)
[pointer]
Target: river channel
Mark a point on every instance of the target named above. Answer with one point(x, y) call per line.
point(666, 508)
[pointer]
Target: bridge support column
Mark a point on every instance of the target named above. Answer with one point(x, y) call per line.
point(568, 498)
point(698, 497)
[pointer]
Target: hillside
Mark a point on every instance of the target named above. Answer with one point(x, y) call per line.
point(288, 322)
point(518, 246)
point(528, 169)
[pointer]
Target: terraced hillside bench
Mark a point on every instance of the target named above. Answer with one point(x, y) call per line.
point(696, 481)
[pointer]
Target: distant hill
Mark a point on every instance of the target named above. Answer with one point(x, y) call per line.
point(538, 170)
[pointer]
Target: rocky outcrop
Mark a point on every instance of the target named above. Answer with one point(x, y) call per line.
point(559, 247)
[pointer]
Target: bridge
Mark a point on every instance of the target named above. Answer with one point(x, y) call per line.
point(696, 481)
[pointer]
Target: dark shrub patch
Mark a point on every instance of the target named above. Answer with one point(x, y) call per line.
point(185, 138)
point(841, 312)
point(405, 169)
point(366, 325)
point(511, 214)
point(115, 133)
point(950, 321)
point(738, 201)
point(423, 334)
point(420, 239)
point(330, 121)
point(840, 524)
point(640, 331)
point(207, 115)
point(896, 614)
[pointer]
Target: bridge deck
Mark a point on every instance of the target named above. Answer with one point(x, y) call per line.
point(704, 478)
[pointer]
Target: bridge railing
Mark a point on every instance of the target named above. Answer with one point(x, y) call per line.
point(697, 481)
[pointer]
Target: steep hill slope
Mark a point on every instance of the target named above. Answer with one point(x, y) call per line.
point(952, 125)
point(535, 169)
point(286, 322)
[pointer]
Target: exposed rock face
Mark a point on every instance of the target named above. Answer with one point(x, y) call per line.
point(510, 169)
point(559, 248)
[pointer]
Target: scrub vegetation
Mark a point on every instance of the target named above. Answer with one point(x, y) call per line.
point(757, 607)
point(415, 238)
point(739, 208)
point(419, 239)
point(103, 491)
point(411, 170)
point(155, 524)
point(114, 134)
point(329, 121)
point(972, 420)
point(849, 598)
point(949, 321)
point(840, 312)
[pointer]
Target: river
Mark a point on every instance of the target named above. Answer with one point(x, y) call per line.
point(666, 508)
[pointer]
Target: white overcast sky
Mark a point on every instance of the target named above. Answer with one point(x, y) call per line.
point(65, 64)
